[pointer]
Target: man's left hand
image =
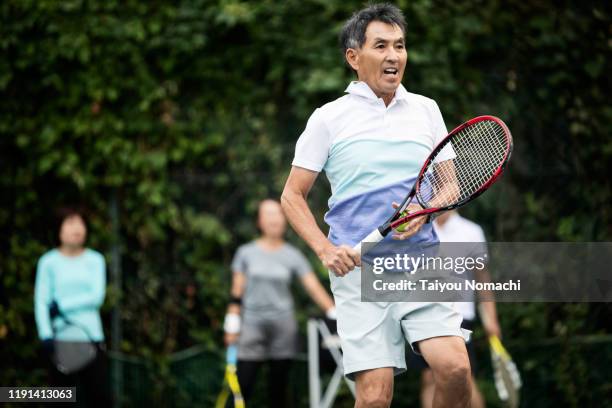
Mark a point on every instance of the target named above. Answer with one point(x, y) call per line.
point(412, 226)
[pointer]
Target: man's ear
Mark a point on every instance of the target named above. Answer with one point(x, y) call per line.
point(352, 58)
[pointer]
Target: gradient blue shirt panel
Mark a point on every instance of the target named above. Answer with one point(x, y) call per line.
point(367, 176)
point(356, 166)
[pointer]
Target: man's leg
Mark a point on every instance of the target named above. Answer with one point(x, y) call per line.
point(477, 399)
point(374, 388)
point(373, 344)
point(448, 359)
point(428, 387)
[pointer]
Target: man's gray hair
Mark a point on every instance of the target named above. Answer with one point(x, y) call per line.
point(353, 33)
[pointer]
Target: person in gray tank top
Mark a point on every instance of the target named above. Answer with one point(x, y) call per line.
point(260, 316)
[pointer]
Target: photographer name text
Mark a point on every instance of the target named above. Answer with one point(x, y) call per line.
point(439, 286)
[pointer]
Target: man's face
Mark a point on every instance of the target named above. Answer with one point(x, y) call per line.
point(381, 61)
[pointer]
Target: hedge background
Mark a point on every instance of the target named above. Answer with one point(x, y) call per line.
point(184, 115)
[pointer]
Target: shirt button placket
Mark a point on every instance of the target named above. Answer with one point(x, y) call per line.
point(386, 121)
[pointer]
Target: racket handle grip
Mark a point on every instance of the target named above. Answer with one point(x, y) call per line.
point(374, 237)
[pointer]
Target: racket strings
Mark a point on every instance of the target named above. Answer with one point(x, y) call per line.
point(479, 151)
point(490, 152)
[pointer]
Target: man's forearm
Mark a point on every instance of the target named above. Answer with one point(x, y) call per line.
point(303, 222)
point(448, 193)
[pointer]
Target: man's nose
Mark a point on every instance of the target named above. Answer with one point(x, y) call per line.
point(392, 55)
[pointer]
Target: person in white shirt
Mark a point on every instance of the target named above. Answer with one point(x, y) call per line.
point(452, 227)
point(371, 144)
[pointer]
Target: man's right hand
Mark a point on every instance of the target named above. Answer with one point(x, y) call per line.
point(340, 259)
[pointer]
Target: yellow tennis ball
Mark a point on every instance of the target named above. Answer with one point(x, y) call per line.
point(402, 227)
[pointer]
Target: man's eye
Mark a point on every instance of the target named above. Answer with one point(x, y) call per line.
point(400, 46)
point(380, 46)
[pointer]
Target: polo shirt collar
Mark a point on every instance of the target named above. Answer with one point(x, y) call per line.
point(360, 88)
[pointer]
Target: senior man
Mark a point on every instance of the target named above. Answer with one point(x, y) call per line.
point(371, 144)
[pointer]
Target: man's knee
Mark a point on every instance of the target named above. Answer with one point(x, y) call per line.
point(448, 358)
point(375, 397)
point(375, 388)
point(455, 370)
point(427, 378)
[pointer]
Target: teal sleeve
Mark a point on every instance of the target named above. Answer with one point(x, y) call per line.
point(93, 297)
point(42, 298)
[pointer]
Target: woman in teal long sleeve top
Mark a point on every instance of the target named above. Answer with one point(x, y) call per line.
point(77, 284)
point(70, 286)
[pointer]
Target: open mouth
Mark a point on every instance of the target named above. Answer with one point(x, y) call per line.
point(390, 71)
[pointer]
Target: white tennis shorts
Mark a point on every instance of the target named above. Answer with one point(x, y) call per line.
point(374, 334)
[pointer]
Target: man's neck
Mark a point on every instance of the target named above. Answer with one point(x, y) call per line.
point(387, 98)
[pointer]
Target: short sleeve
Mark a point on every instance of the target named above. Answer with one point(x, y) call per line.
point(440, 132)
point(312, 148)
point(301, 266)
point(239, 261)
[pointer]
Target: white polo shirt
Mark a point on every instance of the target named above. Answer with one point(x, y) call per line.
point(364, 145)
point(459, 229)
point(371, 154)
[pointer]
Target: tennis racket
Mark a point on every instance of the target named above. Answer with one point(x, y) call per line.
point(230, 382)
point(460, 168)
point(506, 375)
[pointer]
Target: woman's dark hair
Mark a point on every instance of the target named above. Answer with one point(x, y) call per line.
point(65, 212)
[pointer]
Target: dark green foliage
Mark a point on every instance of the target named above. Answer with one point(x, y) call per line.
point(187, 113)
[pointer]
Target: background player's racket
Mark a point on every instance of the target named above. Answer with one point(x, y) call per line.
point(506, 375)
point(464, 165)
point(230, 382)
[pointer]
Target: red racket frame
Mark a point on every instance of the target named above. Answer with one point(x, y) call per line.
point(394, 221)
